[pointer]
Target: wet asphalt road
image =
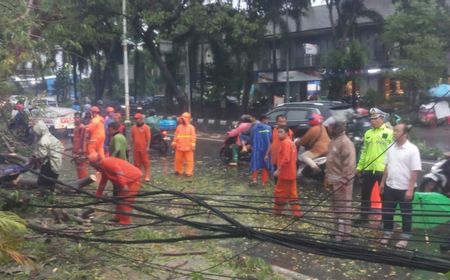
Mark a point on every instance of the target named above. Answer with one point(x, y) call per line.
point(209, 146)
point(312, 265)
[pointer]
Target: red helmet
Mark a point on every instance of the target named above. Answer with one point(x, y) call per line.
point(315, 119)
point(19, 106)
point(362, 111)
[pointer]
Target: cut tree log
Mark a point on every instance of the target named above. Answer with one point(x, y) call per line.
point(32, 184)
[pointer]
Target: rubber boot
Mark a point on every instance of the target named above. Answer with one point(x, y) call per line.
point(235, 151)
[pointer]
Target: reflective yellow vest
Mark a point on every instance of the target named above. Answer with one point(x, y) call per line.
point(376, 141)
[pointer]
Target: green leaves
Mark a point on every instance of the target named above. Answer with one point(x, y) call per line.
point(12, 228)
point(417, 35)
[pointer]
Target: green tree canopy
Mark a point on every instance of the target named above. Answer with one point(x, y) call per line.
point(417, 36)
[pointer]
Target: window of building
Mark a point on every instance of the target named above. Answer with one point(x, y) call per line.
point(392, 87)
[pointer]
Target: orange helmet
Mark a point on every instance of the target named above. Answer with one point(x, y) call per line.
point(186, 115)
point(138, 116)
point(315, 119)
point(95, 109)
point(110, 109)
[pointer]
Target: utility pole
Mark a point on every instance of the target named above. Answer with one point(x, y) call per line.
point(125, 62)
point(288, 88)
point(188, 78)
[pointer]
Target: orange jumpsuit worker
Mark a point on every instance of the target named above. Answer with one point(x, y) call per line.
point(286, 187)
point(96, 133)
point(140, 138)
point(122, 174)
point(275, 146)
point(184, 145)
point(78, 147)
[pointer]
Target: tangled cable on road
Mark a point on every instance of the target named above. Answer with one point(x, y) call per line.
point(217, 217)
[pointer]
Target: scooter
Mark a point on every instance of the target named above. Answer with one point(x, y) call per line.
point(427, 115)
point(303, 170)
point(16, 165)
point(226, 152)
point(160, 142)
point(438, 179)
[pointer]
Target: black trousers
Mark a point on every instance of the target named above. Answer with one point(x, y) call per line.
point(44, 183)
point(391, 198)
point(368, 179)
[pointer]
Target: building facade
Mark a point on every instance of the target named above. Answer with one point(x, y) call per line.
point(297, 67)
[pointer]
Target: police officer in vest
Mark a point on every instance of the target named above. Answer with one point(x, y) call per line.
point(371, 163)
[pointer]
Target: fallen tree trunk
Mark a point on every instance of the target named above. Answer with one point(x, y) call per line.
point(32, 183)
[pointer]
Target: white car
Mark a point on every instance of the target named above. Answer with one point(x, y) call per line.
point(60, 120)
point(57, 118)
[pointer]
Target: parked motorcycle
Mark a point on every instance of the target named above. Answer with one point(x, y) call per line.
point(15, 165)
point(160, 142)
point(438, 179)
point(427, 115)
point(226, 152)
point(303, 170)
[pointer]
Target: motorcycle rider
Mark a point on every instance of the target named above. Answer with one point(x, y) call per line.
point(21, 117)
point(315, 141)
point(152, 121)
point(20, 121)
point(243, 126)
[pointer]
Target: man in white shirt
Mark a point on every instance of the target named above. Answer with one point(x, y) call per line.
point(397, 185)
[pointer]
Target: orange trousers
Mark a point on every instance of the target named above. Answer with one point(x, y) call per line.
point(286, 192)
point(82, 169)
point(141, 158)
point(182, 157)
point(96, 145)
point(123, 208)
point(264, 176)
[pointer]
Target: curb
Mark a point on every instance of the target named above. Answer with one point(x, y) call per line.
point(291, 275)
point(213, 124)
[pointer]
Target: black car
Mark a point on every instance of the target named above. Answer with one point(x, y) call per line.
point(297, 114)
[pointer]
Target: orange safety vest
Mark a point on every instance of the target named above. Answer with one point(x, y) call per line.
point(184, 138)
point(96, 128)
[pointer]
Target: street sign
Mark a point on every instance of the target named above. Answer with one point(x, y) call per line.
point(311, 49)
point(130, 72)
